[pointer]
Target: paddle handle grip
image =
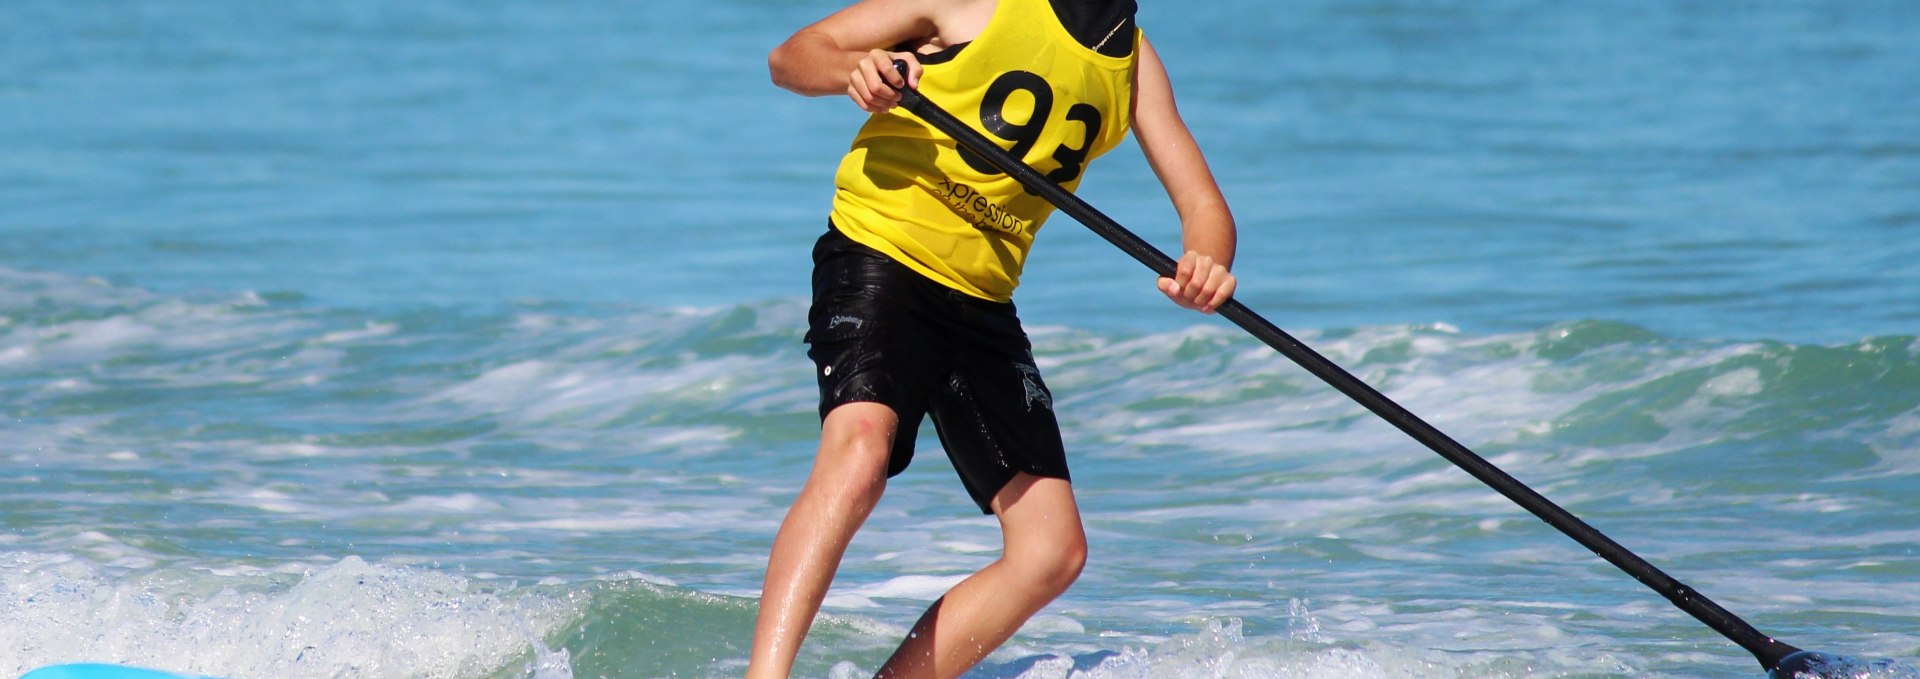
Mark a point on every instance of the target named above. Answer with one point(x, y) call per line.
point(1767, 650)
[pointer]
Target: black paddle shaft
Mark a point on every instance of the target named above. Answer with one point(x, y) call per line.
point(1764, 648)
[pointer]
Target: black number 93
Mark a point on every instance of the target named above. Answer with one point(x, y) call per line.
point(1024, 135)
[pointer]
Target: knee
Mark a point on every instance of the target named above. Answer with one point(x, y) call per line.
point(860, 434)
point(1054, 567)
point(1069, 561)
point(855, 444)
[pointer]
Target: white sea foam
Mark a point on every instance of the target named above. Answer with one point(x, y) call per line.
point(917, 587)
point(601, 392)
point(597, 524)
point(458, 503)
point(149, 325)
point(1898, 445)
point(372, 330)
point(1222, 650)
point(350, 618)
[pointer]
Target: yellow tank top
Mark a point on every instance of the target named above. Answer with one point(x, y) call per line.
point(906, 190)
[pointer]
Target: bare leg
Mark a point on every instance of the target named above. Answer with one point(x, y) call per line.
point(849, 474)
point(1045, 550)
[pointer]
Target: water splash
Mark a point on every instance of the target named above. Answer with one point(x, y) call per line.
point(351, 618)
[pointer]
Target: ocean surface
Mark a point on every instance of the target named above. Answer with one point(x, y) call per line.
point(462, 340)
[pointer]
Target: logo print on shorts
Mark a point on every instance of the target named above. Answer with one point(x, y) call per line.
point(1030, 381)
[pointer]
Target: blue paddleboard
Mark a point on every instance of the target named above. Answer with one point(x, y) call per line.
point(102, 671)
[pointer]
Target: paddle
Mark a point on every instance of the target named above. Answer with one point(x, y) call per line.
point(1781, 660)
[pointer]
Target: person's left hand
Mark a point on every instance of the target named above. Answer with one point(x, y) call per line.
point(1199, 283)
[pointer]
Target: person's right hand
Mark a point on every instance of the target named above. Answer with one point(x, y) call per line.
point(1199, 283)
point(875, 86)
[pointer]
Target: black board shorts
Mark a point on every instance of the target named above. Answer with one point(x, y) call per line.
point(883, 333)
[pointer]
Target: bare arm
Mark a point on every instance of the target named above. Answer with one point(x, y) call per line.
point(850, 51)
point(1203, 279)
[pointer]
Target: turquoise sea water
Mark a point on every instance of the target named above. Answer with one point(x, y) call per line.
point(437, 339)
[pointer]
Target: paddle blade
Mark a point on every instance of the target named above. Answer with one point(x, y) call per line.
point(1816, 665)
